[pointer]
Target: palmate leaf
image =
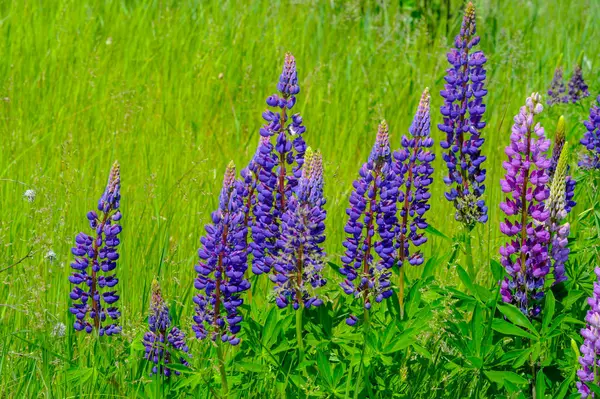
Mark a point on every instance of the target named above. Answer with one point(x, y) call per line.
point(515, 316)
point(500, 377)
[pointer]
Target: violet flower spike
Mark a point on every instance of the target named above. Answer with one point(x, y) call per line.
point(95, 258)
point(463, 111)
point(372, 196)
point(590, 350)
point(525, 256)
point(591, 139)
point(275, 182)
point(298, 271)
point(162, 342)
point(412, 167)
point(578, 89)
point(557, 89)
point(222, 266)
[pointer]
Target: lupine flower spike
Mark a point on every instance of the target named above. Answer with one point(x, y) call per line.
point(556, 92)
point(578, 89)
point(413, 170)
point(162, 341)
point(222, 266)
point(463, 111)
point(372, 208)
point(95, 260)
point(591, 139)
point(590, 350)
point(275, 182)
point(557, 207)
point(298, 270)
point(525, 256)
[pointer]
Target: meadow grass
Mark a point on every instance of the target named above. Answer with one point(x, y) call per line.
point(174, 91)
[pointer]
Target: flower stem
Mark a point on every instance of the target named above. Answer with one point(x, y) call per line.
point(469, 253)
point(401, 293)
point(221, 360)
point(299, 331)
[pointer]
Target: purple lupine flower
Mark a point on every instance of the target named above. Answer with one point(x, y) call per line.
point(525, 256)
point(463, 111)
point(298, 270)
point(275, 183)
point(578, 89)
point(556, 205)
point(95, 258)
point(556, 92)
point(412, 167)
point(222, 266)
point(590, 350)
point(591, 139)
point(374, 191)
point(162, 342)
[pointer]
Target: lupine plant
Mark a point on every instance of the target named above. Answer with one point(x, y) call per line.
point(557, 89)
point(298, 270)
point(590, 350)
point(162, 342)
point(413, 171)
point(95, 260)
point(372, 210)
point(591, 139)
point(463, 111)
point(276, 182)
point(578, 89)
point(221, 270)
point(525, 256)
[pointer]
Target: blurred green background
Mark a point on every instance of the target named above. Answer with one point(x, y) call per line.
point(175, 89)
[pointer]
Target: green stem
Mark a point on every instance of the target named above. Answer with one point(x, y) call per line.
point(469, 253)
point(401, 293)
point(299, 331)
point(366, 327)
point(221, 360)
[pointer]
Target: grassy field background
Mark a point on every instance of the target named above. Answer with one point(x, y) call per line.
point(174, 90)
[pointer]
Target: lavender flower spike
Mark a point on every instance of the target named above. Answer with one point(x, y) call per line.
point(222, 266)
point(591, 139)
point(95, 257)
point(578, 89)
point(372, 201)
point(275, 182)
point(162, 341)
point(556, 92)
point(556, 206)
point(590, 349)
point(298, 271)
point(463, 111)
point(412, 167)
point(525, 256)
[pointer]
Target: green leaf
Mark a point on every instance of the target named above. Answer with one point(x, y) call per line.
point(435, 232)
point(517, 317)
point(325, 368)
point(548, 310)
point(500, 376)
point(504, 327)
point(251, 367)
point(540, 385)
point(497, 270)
point(466, 280)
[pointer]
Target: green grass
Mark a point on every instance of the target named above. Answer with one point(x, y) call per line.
point(174, 90)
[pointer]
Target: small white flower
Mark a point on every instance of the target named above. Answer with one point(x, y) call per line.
point(51, 256)
point(109, 41)
point(59, 330)
point(29, 195)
